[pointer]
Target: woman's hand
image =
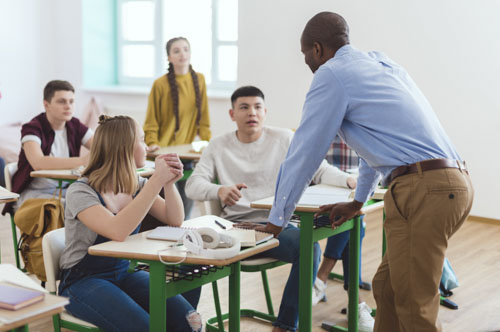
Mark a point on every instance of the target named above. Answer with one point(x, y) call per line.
point(169, 168)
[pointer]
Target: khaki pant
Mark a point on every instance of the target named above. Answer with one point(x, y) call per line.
point(423, 210)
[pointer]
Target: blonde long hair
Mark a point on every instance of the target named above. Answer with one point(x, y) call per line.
point(111, 165)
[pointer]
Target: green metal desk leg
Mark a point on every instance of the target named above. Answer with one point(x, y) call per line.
point(187, 174)
point(218, 312)
point(305, 274)
point(234, 298)
point(157, 297)
point(354, 254)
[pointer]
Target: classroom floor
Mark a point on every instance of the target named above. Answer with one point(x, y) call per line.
point(474, 253)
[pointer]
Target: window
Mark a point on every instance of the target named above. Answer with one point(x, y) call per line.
point(144, 26)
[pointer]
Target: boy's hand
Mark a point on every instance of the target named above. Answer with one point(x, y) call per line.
point(229, 195)
point(84, 160)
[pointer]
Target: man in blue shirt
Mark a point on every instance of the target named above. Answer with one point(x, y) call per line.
point(379, 111)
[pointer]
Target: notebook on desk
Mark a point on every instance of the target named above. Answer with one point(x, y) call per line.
point(14, 297)
point(247, 237)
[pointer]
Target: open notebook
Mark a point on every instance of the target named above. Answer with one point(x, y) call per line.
point(247, 237)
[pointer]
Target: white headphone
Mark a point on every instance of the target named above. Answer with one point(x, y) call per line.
point(208, 243)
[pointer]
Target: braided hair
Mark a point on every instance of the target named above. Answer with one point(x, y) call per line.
point(174, 90)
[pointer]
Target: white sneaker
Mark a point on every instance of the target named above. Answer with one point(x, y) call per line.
point(365, 319)
point(318, 291)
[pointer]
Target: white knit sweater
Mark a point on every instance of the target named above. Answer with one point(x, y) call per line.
point(227, 161)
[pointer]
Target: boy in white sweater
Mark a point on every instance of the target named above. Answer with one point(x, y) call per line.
point(242, 166)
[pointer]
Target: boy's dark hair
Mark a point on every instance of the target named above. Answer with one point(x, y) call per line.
point(246, 91)
point(56, 85)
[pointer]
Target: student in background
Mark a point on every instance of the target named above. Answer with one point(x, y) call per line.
point(51, 140)
point(108, 203)
point(245, 164)
point(177, 107)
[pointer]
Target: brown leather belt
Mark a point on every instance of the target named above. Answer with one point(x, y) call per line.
point(427, 165)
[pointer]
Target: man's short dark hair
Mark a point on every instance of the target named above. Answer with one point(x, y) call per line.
point(56, 85)
point(327, 28)
point(246, 91)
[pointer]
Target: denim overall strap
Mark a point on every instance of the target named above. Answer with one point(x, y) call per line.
point(90, 264)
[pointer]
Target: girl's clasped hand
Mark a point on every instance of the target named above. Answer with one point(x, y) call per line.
point(169, 168)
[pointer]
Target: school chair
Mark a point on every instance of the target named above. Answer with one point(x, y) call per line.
point(52, 247)
point(9, 171)
point(247, 265)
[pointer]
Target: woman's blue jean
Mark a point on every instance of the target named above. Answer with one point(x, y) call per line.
point(289, 251)
point(119, 301)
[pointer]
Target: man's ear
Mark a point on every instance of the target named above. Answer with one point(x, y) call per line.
point(318, 49)
point(231, 114)
point(45, 104)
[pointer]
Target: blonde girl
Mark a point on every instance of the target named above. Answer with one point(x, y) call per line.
point(108, 203)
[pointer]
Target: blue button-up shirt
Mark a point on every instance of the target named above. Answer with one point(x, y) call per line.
point(376, 108)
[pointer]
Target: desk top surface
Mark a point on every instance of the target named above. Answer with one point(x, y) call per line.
point(137, 246)
point(7, 196)
point(322, 194)
point(185, 151)
point(50, 305)
point(75, 174)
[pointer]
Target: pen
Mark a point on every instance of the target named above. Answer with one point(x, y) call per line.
point(220, 225)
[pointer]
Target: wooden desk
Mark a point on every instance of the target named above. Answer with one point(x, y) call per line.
point(140, 248)
point(19, 319)
point(71, 175)
point(7, 196)
point(309, 235)
point(185, 152)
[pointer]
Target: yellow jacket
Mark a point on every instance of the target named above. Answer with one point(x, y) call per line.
point(159, 126)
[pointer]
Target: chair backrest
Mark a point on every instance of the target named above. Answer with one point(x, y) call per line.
point(53, 244)
point(210, 207)
point(8, 172)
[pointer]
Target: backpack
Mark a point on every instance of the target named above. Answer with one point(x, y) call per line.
point(35, 218)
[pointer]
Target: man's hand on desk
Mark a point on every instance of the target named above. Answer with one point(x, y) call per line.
point(268, 228)
point(340, 212)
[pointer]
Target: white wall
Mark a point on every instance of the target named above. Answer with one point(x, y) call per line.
point(450, 48)
point(19, 64)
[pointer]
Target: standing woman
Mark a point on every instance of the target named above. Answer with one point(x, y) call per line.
point(178, 107)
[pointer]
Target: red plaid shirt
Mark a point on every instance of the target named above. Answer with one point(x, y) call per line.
point(342, 156)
